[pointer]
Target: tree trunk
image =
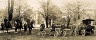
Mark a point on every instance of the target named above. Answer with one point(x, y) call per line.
point(10, 9)
point(46, 21)
point(68, 22)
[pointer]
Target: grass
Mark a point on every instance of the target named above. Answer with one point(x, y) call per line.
point(35, 36)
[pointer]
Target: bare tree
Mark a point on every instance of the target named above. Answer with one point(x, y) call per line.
point(10, 9)
point(22, 9)
point(50, 11)
point(27, 13)
point(76, 11)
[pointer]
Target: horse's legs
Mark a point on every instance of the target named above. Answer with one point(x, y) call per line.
point(16, 29)
point(20, 29)
point(3, 30)
point(7, 30)
point(30, 30)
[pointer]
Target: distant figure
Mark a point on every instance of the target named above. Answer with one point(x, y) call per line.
point(25, 27)
point(29, 26)
point(53, 28)
point(62, 29)
point(7, 26)
point(2, 27)
point(53, 31)
point(17, 24)
point(20, 25)
point(5, 20)
point(42, 30)
point(42, 27)
point(32, 22)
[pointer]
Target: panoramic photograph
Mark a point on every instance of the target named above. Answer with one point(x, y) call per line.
point(47, 19)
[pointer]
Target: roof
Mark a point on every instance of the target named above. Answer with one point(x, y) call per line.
point(88, 20)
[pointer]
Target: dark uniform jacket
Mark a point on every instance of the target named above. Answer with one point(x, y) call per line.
point(42, 27)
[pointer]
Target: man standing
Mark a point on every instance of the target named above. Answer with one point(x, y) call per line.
point(32, 22)
point(25, 27)
point(2, 27)
point(6, 24)
point(5, 21)
point(29, 26)
point(62, 29)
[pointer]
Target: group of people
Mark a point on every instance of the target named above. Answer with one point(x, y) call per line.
point(62, 30)
point(27, 25)
point(6, 25)
point(18, 25)
point(53, 29)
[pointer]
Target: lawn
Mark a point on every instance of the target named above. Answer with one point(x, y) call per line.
point(35, 36)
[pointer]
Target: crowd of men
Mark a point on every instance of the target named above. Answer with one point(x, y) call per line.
point(18, 25)
point(28, 25)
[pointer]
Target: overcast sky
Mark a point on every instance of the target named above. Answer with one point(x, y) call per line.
point(35, 3)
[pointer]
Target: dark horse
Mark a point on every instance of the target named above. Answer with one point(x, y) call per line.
point(18, 25)
point(7, 24)
point(30, 25)
point(2, 27)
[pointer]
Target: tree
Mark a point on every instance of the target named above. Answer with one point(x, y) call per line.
point(27, 14)
point(50, 11)
point(10, 9)
point(22, 9)
point(76, 11)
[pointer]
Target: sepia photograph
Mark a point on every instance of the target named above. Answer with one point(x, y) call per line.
point(47, 19)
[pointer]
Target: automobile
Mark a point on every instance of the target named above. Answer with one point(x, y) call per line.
point(86, 28)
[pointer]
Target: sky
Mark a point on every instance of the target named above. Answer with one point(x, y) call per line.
point(35, 3)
